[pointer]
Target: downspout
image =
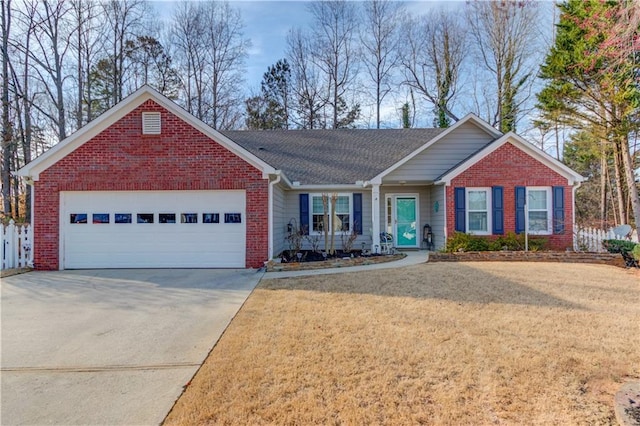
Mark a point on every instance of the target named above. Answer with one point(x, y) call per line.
point(271, 201)
point(573, 213)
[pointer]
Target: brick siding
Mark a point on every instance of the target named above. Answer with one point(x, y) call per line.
point(121, 158)
point(509, 167)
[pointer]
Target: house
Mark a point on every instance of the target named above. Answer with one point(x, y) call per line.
point(148, 185)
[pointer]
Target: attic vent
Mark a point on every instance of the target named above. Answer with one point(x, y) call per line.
point(151, 123)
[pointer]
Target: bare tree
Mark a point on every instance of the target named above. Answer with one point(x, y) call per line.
point(307, 88)
point(435, 49)
point(124, 21)
point(7, 142)
point(334, 52)
point(380, 42)
point(506, 35)
point(186, 36)
point(226, 47)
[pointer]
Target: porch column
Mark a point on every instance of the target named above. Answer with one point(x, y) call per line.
point(375, 218)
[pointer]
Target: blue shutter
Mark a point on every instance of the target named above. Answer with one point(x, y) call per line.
point(521, 197)
point(497, 214)
point(304, 213)
point(357, 213)
point(459, 194)
point(558, 210)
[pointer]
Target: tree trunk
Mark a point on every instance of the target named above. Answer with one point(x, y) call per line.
point(6, 124)
point(632, 188)
point(619, 183)
point(603, 187)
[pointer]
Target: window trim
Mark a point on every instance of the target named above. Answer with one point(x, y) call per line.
point(549, 210)
point(340, 194)
point(486, 190)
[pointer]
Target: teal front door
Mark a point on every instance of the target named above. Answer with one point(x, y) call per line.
point(405, 222)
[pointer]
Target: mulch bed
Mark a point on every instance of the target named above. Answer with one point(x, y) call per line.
point(333, 263)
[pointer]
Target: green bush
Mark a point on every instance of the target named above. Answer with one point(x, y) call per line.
point(636, 252)
point(617, 246)
point(460, 241)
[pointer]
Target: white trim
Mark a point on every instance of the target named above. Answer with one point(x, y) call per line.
point(523, 145)
point(375, 217)
point(394, 215)
point(549, 210)
point(61, 217)
point(327, 188)
point(487, 190)
point(117, 112)
point(466, 119)
point(271, 215)
point(319, 194)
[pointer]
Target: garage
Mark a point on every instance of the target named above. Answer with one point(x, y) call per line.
point(153, 229)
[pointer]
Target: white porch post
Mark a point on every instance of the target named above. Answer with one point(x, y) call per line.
point(375, 218)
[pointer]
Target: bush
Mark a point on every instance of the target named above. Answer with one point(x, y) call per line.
point(636, 252)
point(460, 241)
point(618, 246)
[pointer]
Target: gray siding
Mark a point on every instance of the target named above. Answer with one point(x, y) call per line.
point(292, 213)
point(279, 221)
point(442, 156)
point(438, 218)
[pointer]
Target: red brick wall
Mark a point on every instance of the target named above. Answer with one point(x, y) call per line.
point(509, 167)
point(121, 158)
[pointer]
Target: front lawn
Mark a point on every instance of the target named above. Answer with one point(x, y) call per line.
point(440, 343)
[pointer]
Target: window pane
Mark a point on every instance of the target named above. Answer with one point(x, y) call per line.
point(537, 200)
point(538, 221)
point(342, 204)
point(210, 217)
point(232, 218)
point(145, 217)
point(78, 218)
point(478, 221)
point(189, 218)
point(167, 218)
point(122, 218)
point(318, 224)
point(101, 218)
point(341, 223)
point(317, 205)
point(477, 200)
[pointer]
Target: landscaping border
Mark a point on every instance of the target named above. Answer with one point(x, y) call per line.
point(612, 259)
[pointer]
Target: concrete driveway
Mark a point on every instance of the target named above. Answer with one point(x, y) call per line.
point(109, 346)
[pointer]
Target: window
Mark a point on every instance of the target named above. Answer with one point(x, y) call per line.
point(189, 218)
point(122, 218)
point(232, 218)
point(78, 218)
point(145, 217)
point(478, 210)
point(210, 218)
point(341, 220)
point(539, 208)
point(167, 218)
point(101, 218)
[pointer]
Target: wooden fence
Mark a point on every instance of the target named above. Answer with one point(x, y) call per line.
point(16, 246)
point(590, 239)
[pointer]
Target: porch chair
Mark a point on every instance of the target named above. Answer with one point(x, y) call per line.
point(386, 243)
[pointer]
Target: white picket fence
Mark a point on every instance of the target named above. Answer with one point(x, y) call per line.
point(16, 246)
point(590, 239)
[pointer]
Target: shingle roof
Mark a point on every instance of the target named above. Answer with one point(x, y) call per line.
point(341, 156)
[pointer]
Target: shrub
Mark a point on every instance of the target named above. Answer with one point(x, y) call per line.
point(636, 252)
point(617, 246)
point(460, 241)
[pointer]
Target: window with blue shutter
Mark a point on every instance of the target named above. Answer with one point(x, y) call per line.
point(304, 213)
point(357, 213)
point(459, 201)
point(521, 197)
point(558, 210)
point(497, 213)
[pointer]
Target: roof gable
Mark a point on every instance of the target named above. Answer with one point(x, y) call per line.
point(520, 143)
point(468, 119)
point(120, 110)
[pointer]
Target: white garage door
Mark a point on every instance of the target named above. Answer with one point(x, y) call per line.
point(153, 229)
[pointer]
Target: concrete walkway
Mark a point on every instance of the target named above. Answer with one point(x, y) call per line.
point(109, 347)
point(413, 258)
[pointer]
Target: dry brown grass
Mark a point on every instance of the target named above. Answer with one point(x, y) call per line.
point(474, 343)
